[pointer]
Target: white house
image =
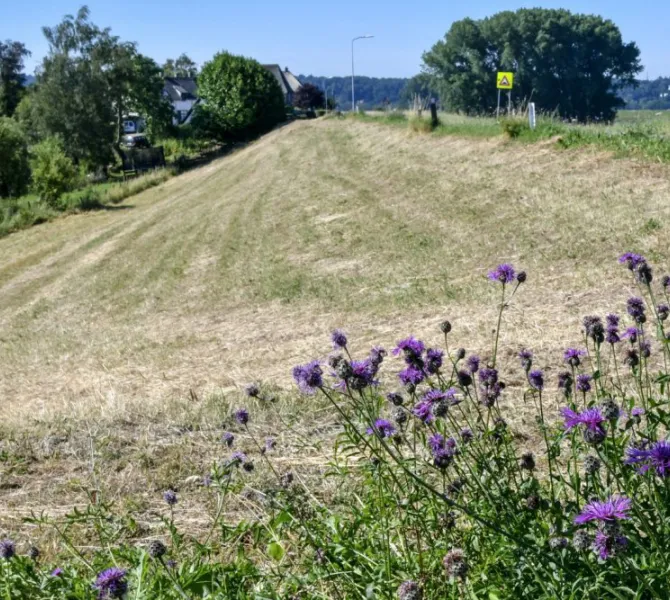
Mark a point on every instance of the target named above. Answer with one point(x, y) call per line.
point(287, 81)
point(183, 94)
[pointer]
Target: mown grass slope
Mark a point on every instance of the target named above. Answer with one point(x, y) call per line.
point(125, 334)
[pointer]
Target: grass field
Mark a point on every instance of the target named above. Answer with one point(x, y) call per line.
point(126, 335)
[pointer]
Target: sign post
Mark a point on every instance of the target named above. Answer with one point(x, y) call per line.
point(531, 115)
point(505, 81)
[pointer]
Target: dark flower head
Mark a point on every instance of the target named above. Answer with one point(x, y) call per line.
point(286, 479)
point(533, 502)
point(410, 590)
point(632, 260)
point(466, 435)
point(242, 416)
point(635, 308)
point(665, 281)
point(632, 358)
point(558, 543)
point(111, 583)
point(382, 428)
point(460, 354)
point(581, 540)
point(521, 276)
point(644, 273)
point(309, 377)
point(171, 564)
point(445, 326)
point(362, 375)
point(593, 326)
point(612, 335)
point(34, 552)
point(57, 572)
point(592, 464)
point(400, 415)
point(645, 349)
point(411, 375)
point(565, 382)
point(631, 334)
point(157, 549)
point(527, 461)
point(248, 466)
point(464, 378)
point(536, 379)
point(613, 509)
point(663, 311)
point(252, 390)
point(584, 383)
point(489, 394)
point(228, 439)
point(7, 549)
point(334, 361)
point(503, 273)
point(433, 361)
point(473, 363)
point(395, 399)
point(410, 347)
point(339, 339)
point(488, 377)
point(606, 545)
point(572, 356)
point(610, 409)
point(170, 497)
point(377, 355)
point(526, 358)
point(455, 563)
point(612, 320)
point(656, 456)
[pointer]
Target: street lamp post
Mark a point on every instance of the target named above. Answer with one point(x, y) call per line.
point(353, 94)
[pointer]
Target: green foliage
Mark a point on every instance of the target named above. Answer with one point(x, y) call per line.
point(647, 94)
point(241, 98)
point(370, 91)
point(420, 124)
point(11, 75)
point(514, 127)
point(569, 62)
point(182, 67)
point(52, 169)
point(309, 97)
point(14, 168)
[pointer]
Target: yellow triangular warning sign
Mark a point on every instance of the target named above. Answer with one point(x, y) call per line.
point(504, 82)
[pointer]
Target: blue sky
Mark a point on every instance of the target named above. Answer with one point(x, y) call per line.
point(313, 37)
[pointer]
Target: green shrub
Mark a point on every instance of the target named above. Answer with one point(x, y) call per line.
point(14, 170)
point(513, 128)
point(53, 171)
point(420, 124)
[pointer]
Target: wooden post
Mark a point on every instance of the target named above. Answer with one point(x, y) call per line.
point(433, 113)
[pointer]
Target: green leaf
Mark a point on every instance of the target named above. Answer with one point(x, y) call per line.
point(275, 551)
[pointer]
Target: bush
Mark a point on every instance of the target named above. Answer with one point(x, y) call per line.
point(420, 124)
point(241, 98)
point(14, 169)
point(53, 171)
point(513, 128)
point(309, 96)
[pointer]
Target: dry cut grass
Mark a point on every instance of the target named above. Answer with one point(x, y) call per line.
point(125, 335)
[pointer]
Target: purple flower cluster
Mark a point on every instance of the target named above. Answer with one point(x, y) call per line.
point(382, 428)
point(612, 335)
point(591, 418)
point(584, 383)
point(593, 327)
point(242, 416)
point(526, 358)
point(309, 377)
point(536, 379)
point(615, 508)
point(572, 356)
point(111, 583)
point(656, 456)
point(339, 339)
point(504, 273)
point(442, 450)
point(472, 363)
point(607, 545)
point(635, 308)
point(632, 260)
point(435, 403)
point(170, 497)
point(490, 387)
point(419, 366)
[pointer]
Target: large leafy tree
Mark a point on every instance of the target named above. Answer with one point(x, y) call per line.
point(87, 83)
point(309, 96)
point(240, 98)
point(11, 75)
point(181, 67)
point(570, 63)
point(14, 170)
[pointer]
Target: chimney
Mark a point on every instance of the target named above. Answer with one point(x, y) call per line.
point(286, 69)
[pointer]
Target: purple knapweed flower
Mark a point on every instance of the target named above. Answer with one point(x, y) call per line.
point(377, 355)
point(410, 347)
point(7, 549)
point(423, 411)
point(488, 377)
point(504, 273)
point(252, 390)
point(635, 308)
point(339, 339)
point(612, 335)
point(236, 459)
point(309, 377)
point(665, 282)
point(111, 583)
point(526, 358)
point(613, 509)
point(382, 428)
point(57, 572)
point(411, 375)
point(435, 396)
point(490, 393)
point(606, 545)
point(663, 311)
point(572, 356)
point(410, 590)
point(228, 439)
point(170, 497)
point(466, 435)
point(433, 360)
point(656, 457)
point(631, 334)
point(536, 379)
point(591, 418)
point(632, 260)
point(472, 363)
point(584, 383)
point(362, 374)
point(242, 416)
point(637, 412)
point(612, 320)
